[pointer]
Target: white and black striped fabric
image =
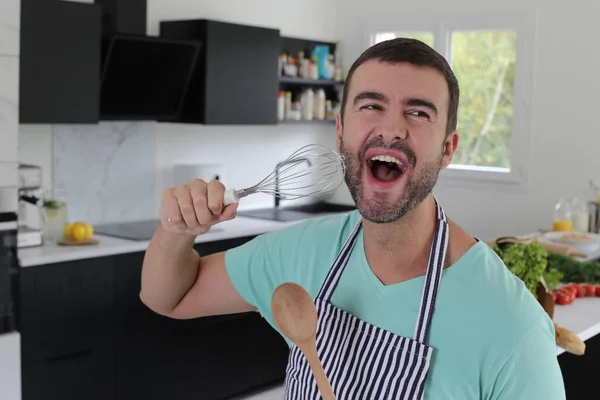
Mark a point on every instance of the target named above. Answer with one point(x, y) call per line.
point(362, 361)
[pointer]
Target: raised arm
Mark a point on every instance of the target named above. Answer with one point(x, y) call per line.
point(178, 282)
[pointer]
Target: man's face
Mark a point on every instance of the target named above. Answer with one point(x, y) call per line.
point(393, 137)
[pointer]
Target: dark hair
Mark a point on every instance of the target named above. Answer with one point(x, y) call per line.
point(411, 51)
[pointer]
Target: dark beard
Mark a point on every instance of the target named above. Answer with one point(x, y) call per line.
point(379, 209)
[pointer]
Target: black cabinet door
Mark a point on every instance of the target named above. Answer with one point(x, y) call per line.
point(131, 315)
point(59, 62)
point(236, 81)
point(234, 356)
point(86, 374)
point(65, 307)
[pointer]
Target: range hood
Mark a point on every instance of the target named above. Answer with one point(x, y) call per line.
point(142, 77)
point(145, 78)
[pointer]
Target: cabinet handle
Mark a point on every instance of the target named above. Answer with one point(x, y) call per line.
point(75, 354)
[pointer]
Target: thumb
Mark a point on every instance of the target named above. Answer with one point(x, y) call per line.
point(229, 212)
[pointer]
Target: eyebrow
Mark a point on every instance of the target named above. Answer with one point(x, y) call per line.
point(413, 101)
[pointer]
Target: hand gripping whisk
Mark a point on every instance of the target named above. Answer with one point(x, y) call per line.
point(312, 170)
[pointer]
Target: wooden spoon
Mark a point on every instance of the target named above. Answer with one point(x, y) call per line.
point(296, 316)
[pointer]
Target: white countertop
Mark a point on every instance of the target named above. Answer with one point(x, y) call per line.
point(53, 253)
point(582, 317)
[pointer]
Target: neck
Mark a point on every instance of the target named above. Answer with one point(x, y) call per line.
point(400, 250)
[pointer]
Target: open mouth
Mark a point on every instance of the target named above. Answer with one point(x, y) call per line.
point(386, 168)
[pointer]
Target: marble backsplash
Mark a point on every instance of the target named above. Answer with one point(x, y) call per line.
point(108, 170)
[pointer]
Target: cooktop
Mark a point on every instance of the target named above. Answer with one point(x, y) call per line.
point(134, 230)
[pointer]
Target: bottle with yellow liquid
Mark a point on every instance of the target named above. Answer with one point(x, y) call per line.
point(563, 220)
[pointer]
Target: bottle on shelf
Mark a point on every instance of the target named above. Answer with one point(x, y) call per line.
point(281, 105)
point(295, 111)
point(314, 68)
point(563, 217)
point(320, 99)
point(302, 65)
point(330, 67)
point(288, 105)
point(338, 73)
point(307, 104)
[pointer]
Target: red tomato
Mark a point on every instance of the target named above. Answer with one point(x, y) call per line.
point(568, 289)
point(597, 290)
point(565, 298)
point(580, 291)
point(590, 290)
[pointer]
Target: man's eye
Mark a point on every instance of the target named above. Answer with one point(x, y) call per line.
point(419, 113)
point(371, 107)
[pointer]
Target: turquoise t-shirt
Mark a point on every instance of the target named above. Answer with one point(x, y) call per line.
point(490, 337)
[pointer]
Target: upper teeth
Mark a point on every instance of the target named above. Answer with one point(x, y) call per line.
point(389, 159)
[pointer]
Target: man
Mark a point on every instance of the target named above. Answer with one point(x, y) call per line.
point(410, 305)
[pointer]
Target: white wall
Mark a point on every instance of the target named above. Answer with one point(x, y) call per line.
point(565, 138)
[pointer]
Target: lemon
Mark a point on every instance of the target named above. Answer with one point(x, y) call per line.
point(78, 233)
point(89, 230)
point(67, 230)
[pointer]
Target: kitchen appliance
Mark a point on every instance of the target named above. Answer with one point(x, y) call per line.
point(145, 77)
point(134, 230)
point(31, 202)
point(10, 341)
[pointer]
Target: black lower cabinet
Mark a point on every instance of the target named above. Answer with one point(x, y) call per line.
point(580, 372)
point(85, 334)
point(225, 359)
point(86, 374)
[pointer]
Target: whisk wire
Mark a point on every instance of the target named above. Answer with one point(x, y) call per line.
point(324, 166)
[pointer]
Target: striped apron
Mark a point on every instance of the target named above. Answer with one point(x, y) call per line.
point(363, 361)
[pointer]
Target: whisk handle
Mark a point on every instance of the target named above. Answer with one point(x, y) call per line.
point(230, 197)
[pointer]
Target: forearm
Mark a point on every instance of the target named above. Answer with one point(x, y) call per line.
point(170, 268)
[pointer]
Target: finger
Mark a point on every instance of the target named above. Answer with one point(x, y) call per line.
point(229, 212)
point(215, 191)
point(186, 206)
point(199, 200)
point(171, 217)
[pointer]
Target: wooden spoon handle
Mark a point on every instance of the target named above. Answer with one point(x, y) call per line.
point(310, 352)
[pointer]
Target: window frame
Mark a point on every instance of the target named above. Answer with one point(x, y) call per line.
point(442, 24)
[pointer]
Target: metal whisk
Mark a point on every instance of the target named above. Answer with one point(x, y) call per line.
point(322, 174)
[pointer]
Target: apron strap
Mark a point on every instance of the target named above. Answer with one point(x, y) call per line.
point(335, 272)
point(433, 277)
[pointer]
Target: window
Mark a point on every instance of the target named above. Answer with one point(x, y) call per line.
point(491, 55)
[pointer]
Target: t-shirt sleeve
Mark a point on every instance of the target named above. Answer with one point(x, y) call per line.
point(257, 267)
point(532, 371)
point(250, 267)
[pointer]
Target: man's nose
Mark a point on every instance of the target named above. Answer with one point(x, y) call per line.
point(394, 127)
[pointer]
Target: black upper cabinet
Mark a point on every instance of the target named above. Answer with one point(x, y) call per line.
point(60, 62)
point(236, 78)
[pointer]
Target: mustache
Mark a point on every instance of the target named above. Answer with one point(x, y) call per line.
point(398, 146)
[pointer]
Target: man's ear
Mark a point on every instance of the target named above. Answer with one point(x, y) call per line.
point(450, 145)
point(338, 129)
